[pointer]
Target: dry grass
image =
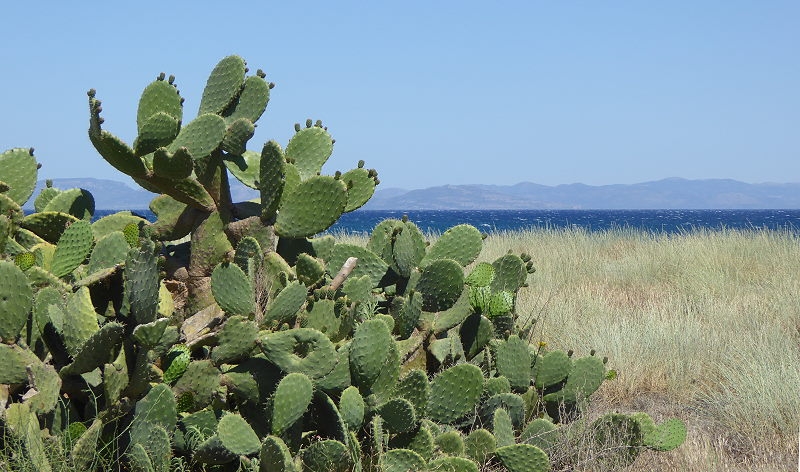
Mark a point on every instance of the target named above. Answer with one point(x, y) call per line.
point(704, 326)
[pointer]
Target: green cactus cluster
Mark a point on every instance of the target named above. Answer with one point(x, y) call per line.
point(232, 336)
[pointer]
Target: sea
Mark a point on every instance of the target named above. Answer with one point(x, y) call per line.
point(492, 221)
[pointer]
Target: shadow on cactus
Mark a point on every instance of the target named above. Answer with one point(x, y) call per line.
point(232, 336)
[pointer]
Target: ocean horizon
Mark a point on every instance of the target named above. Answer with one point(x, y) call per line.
point(493, 221)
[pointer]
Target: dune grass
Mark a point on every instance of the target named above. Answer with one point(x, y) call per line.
point(702, 325)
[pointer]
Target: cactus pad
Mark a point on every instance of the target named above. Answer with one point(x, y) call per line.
point(513, 361)
point(232, 289)
point(19, 172)
point(441, 284)
point(236, 340)
point(584, 379)
point(237, 436)
point(666, 436)
point(309, 148)
point(275, 456)
point(304, 350)
point(401, 460)
point(371, 344)
point(311, 207)
point(72, 248)
point(223, 85)
point(551, 369)
point(455, 393)
point(290, 402)
point(523, 458)
point(479, 446)
point(16, 300)
point(398, 415)
point(326, 456)
point(287, 303)
point(462, 243)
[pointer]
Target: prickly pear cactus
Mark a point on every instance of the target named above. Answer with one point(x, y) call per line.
point(231, 336)
point(189, 166)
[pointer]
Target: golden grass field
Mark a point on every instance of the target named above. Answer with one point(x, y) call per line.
point(704, 326)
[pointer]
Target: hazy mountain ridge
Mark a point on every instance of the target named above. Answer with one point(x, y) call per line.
point(671, 193)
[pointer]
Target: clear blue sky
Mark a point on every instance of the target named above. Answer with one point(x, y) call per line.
point(433, 93)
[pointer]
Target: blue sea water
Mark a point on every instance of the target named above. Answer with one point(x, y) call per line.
point(489, 221)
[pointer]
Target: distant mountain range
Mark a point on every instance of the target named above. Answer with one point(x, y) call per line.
point(672, 193)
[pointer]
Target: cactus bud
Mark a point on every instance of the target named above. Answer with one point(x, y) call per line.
point(182, 100)
point(592, 352)
point(260, 73)
point(30, 151)
point(48, 183)
point(318, 124)
point(246, 70)
point(377, 181)
point(297, 126)
point(38, 165)
point(308, 123)
point(91, 93)
point(101, 120)
point(405, 218)
point(484, 235)
point(361, 163)
point(4, 187)
point(570, 353)
point(605, 360)
point(271, 85)
point(337, 175)
point(171, 79)
point(161, 76)
point(333, 141)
